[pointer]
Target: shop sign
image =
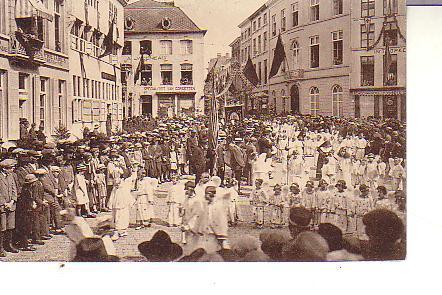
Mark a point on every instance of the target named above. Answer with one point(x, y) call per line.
point(150, 89)
point(109, 77)
point(378, 92)
point(393, 50)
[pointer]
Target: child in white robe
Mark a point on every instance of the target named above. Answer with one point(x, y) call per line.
point(397, 174)
point(309, 200)
point(342, 206)
point(176, 197)
point(258, 199)
point(120, 201)
point(371, 172)
point(324, 202)
point(144, 199)
point(382, 172)
point(276, 204)
point(233, 197)
point(363, 204)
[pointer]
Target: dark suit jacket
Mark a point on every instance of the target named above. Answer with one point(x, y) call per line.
point(49, 186)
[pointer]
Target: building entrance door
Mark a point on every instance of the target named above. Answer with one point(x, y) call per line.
point(390, 107)
point(146, 105)
point(294, 99)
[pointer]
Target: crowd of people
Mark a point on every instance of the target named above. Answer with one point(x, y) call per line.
point(335, 171)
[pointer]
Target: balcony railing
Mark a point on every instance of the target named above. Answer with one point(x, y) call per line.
point(17, 50)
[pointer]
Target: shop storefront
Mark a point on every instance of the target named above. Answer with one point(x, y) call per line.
point(380, 103)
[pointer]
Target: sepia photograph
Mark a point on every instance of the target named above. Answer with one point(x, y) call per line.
point(203, 131)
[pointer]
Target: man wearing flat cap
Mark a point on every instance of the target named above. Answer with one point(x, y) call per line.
point(8, 201)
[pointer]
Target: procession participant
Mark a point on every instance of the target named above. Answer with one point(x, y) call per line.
point(42, 207)
point(382, 201)
point(148, 158)
point(157, 154)
point(144, 197)
point(191, 143)
point(397, 173)
point(363, 204)
point(258, 200)
point(186, 213)
point(360, 145)
point(276, 204)
point(324, 202)
point(328, 171)
point(344, 165)
point(355, 172)
point(382, 172)
point(342, 203)
point(8, 203)
point(233, 197)
point(309, 200)
point(120, 202)
point(294, 196)
point(297, 169)
point(81, 193)
point(100, 182)
point(138, 154)
point(259, 168)
point(250, 153)
point(325, 150)
point(215, 231)
point(201, 186)
point(371, 172)
point(175, 200)
point(114, 172)
point(173, 155)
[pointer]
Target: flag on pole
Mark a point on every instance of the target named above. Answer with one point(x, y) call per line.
point(140, 67)
point(250, 72)
point(278, 58)
point(108, 41)
point(213, 111)
point(387, 60)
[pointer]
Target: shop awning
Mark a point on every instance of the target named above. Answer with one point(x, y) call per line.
point(30, 8)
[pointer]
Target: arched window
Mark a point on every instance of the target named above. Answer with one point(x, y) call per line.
point(296, 58)
point(314, 101)
point(337, 101)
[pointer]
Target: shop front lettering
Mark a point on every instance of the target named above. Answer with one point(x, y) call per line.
point(393, 50)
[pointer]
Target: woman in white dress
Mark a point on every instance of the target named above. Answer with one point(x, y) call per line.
point(144, 199)
point(81, 192)
point(121, 200)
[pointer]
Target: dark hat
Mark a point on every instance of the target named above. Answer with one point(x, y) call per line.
point(332, 234)
point(194, 256)
point(309, 183)
point(93, 250)
point(383, 225)
point(189, 184)
point(363, 187)
point(300, 216)
point(341, 183)
point(323, 182)
point(382, 188)
point(210, 189)
point(160, 248)
point(259, 180)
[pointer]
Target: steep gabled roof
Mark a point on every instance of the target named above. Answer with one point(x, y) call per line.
point(148, 15)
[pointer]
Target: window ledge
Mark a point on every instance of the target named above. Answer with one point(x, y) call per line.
point(56, 52)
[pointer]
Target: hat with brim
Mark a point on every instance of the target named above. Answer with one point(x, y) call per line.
point(93, 250)
point(30, 178)
point(40, 171)
point(160, 248)
point(8, 163)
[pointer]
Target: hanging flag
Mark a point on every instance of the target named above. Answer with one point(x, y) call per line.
point(250, 72)
point(140, 67)
point(108, 41)
point(278, 58)
point(213, 111)
point(387, 60)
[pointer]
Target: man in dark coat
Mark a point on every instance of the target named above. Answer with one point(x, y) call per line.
point(8, 201)
point(199, 162)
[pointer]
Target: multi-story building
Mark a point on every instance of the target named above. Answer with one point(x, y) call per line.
point(96, 40)
point(170, 79)
point(378, 90)
point(255, 36)
point(34, 68)
point(328, 68)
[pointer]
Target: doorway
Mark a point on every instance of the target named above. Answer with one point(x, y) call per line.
point(294, 99)
point(146, 105)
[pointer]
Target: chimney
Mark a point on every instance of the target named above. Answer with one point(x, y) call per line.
point(218, 54)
